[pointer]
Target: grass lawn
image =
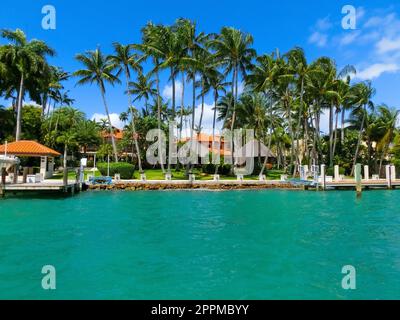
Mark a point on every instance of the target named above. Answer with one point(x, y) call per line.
point(156, 174)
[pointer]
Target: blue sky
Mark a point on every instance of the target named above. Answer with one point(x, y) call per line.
point(373, 48)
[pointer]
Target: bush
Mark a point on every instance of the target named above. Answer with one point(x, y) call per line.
point(223, 169)
point(331, 171)
point(126, 170)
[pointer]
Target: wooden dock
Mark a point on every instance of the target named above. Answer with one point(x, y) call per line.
point(365, 184)
point(71, 188)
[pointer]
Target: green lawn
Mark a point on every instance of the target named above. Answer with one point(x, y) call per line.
point(157, 174)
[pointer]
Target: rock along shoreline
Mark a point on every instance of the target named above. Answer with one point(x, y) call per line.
point(197, 185)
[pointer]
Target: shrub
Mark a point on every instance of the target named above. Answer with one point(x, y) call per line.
point(126, 170)
point(331, 171)
point(223, 169)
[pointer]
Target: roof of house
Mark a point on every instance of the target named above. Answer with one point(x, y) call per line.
point(28, 148)
point(203, 137)
point(118, 134)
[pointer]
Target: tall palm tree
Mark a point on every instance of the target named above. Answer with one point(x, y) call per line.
point(215, 83)
point(234, 52)
point(125, 60)
point(27, 57)
point(362, 93)
point(98, 69)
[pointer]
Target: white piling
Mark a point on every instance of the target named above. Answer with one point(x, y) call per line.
point(323, 176)
point(388, 176)
point(393, 173)
point(366, 173)
point(337, 173)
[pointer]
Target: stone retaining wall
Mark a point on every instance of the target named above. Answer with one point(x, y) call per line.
point(137, 186)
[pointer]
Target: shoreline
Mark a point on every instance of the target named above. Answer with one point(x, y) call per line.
point(195, 185)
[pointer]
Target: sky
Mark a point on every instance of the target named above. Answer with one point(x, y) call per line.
point(316, 26)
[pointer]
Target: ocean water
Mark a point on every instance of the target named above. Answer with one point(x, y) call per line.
point(268, 244)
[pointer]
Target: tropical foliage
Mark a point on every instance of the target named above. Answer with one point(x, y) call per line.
point(283, 97)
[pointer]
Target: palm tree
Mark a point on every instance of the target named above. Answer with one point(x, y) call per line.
point(215, 82)
point(192, 44)
point(362, 93)
point(99, 70)
point(126, 61)
point(388, 119)
point(28, 57)
point(264, 77)
point(234, 52)
point(143, 88)
point(68, 139)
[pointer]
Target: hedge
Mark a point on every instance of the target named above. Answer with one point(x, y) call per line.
point(126, 170)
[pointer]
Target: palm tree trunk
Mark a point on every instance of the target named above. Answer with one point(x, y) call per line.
point(65, 176)
point(189, 165)
point(202, 105)
point(173, 93)
point(182, 106)
point(330, 134)
point(159, 119)
point(19, 108)
point(109, 124)
point(335, 136)
point(342, 132)
point(359, 141)
point(133, 122)
point(213, 130)
point(297, 133)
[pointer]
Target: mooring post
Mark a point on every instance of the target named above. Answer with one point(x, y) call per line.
point(393, 173)
point(3, 181)
point(323, 177)
point(358, 178)
point(388, 177)
point(337, 173)
point(366, 173)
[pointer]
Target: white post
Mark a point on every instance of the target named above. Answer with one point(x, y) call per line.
point(323, 177)
point(366, 173)
point(337, 173)
point(393, 173)
point(108, 165)
point(388, 177)
point(43, 167)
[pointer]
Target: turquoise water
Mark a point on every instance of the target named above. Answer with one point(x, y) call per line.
point(201, 245)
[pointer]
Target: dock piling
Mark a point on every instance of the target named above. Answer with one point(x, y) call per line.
point(388, 176)
point(358, 178)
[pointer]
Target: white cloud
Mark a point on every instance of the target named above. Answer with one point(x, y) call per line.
point(208, 116)
point(376, 70)
point(319, 39)
point(386, 45)
point(349, 38)
point(167, 90)
point(324, 24)
point(324, 122)
point(115, 121)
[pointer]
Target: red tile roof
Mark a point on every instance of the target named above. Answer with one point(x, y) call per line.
point(29, 149)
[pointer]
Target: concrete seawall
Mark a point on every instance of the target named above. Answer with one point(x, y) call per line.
point(187, 185)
